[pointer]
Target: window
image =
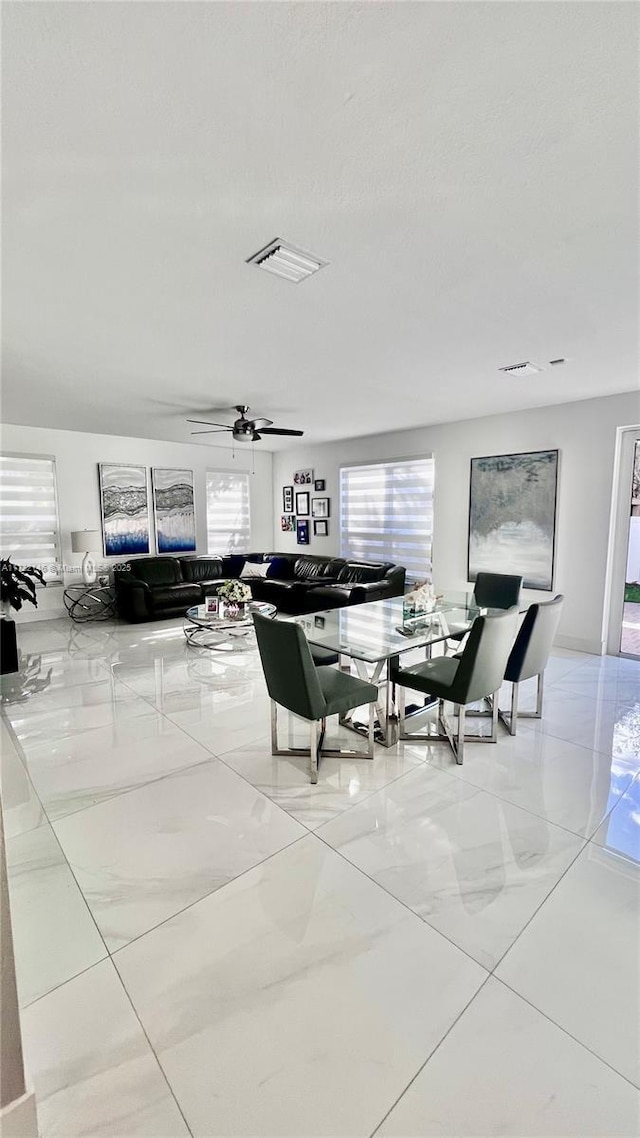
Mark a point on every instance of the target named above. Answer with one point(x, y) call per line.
point(228, 518)
point(386, 513)
point(29, 529)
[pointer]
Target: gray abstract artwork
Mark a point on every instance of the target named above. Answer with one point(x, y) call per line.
point(173, 504)
point(512, 516)
point(125, 509)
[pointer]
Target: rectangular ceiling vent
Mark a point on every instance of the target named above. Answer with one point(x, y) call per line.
point(527, 368)
point(286, 261)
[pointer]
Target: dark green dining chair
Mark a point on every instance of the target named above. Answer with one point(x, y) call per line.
point(492, 591)
point(473, 675)
point(497, 590)
point(323, 657)
point(529, 656)
point(310, 692)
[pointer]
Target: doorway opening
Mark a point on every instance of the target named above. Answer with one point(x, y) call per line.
point(630, 628)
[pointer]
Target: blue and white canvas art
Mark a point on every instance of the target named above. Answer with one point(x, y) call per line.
point(173, 506)
point(124, 502)
point(512, 516)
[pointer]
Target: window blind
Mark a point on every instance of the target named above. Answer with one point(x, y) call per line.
point(228, 516)
point(29, 527)
point(386, 513)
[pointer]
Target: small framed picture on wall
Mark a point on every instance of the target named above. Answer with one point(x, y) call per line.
point(320, 508)
point(302, 503)
point(320, 529)
point(287, 499)
point(318, 485)
point(303, 477)
point(288, 523)
point(302, 531)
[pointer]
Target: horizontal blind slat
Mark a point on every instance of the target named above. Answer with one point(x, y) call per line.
point(29, 527)
point(228, 512)
point(386, 513)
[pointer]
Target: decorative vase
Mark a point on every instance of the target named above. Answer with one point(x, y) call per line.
point(8, 646)
point(235, 610)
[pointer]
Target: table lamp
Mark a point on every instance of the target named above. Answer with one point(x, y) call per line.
point(87, 541)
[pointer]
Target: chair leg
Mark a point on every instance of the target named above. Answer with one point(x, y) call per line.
point(401, 704)
point(494, 717)
point(313, 751)
point(274, 727)
point(515, 695)
point(371, 732)
point(539, 695)
point(510, 721)
point(459, 751)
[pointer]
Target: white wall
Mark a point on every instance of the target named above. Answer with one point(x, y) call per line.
point(585, 434)
point(77, 456)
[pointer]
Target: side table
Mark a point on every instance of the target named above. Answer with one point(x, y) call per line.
point(89, 602)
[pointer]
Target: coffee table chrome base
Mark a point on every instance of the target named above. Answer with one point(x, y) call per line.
point(227, 640)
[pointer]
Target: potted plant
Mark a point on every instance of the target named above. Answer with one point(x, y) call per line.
point(17, 585)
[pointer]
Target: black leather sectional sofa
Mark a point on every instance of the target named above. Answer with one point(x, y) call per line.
point(155, 587)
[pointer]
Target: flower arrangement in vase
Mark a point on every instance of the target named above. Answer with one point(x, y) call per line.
point(419, 601)
point(234, 596)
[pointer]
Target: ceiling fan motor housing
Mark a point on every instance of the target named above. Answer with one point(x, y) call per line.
point(243, 431)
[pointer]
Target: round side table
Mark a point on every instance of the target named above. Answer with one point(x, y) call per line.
point(89, 602)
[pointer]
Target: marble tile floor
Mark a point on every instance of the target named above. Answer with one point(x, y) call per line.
point(207, 944)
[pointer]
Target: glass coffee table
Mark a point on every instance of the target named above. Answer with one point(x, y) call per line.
point(222, 633)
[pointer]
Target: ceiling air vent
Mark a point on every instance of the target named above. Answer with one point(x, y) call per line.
point(527, 368)
point(286, 261)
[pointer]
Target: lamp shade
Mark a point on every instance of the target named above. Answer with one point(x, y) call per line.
point(86, 541)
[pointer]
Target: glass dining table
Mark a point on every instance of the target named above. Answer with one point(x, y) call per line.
point(372, 634)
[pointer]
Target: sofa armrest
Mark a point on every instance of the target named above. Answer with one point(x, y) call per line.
point(133, 598)
point(395, 580)
point(372, 591)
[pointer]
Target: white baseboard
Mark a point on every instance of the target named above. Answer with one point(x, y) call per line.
point(19, 1119)
point(29, 616)
point(577, 644)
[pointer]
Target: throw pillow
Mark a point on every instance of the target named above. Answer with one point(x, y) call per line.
point(280, 568)
point(253, 570)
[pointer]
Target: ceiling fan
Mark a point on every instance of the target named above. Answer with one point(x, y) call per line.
point(243, 430)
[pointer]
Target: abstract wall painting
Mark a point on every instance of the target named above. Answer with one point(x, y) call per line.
point(124, 504)
point(174, 512)
point(512, 516)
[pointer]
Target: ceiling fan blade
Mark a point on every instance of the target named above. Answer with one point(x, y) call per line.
point(208, 423)
point(256, 437)
point(279, 431)
point(258, 424)
point(215, 431)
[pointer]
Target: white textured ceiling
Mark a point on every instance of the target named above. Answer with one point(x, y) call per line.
point(469, 170)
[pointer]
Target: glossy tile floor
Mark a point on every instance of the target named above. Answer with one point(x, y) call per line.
point(207, 944)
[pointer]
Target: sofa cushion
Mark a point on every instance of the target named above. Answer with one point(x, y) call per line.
point(232, 565)
point(280, 567)
point(197, 569)
point(311, 568)
point(157, 570)
point(175, 596)
point(360, 573)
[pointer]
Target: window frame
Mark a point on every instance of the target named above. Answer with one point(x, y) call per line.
point(411, 577)
point(57, 557)
point(225, 473)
